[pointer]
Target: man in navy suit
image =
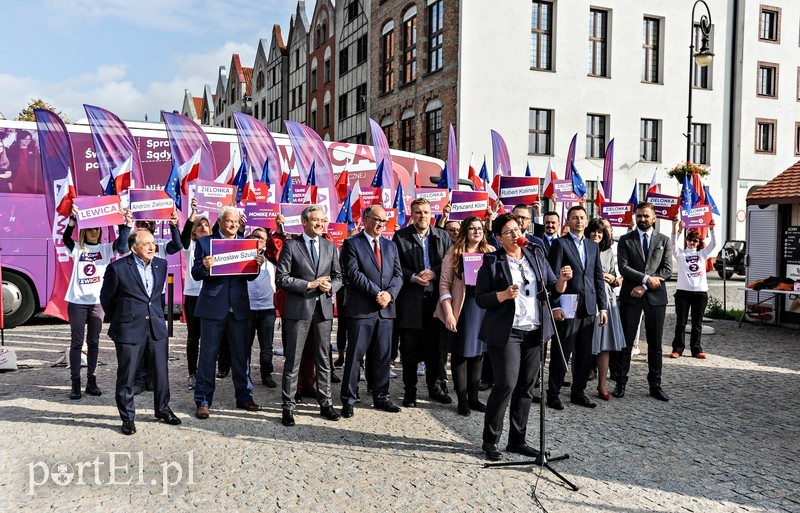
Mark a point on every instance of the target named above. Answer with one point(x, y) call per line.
point(372, 267)
point(223, 306)
point(582, 257)
point(132, 297)
point(552, 224)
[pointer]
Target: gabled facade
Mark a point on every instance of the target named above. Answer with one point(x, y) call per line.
point(260, 81)
point(321, 76)
point(352, 70)
point(297, 45)
point(220, 105)
point(275, 107)
point(192, 106)
point(239, 91)
point(207, 107)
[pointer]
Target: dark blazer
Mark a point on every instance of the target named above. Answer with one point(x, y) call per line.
point(366, 280)
point(296, 269)
point(546, 243)
point(538, 230)
point(587, 282)
point(633, 266)
point(134, 313)
point(409, 302)
point(495, 276)
point(219, 294)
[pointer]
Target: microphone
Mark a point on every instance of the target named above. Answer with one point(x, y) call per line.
point(523, 242)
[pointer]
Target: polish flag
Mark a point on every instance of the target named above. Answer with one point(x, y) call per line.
point(473, 176)
point(227, 175)
point(600, 196)
point(414, 180)
point(549, 178)
point(654, 187)
point(189, 171)
point(356, 204)
point(65, 194)
point(122, 176)
point(342, 182)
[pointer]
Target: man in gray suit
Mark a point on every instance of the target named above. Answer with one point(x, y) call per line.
point(645, 262)
point(309, 271)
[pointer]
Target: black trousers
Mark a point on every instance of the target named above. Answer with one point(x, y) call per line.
point(686, 300)
point(576, 338)
point(128, 358)
point(422, 345)
point(630, 314)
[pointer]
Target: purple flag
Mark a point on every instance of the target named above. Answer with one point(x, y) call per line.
point(608, 170)
point(382, 154)
point(185, 138)
point(571, 158)
point(502, 162)
point(452, 159)
point(113, 144)
point(309, 149)
point(257, 143)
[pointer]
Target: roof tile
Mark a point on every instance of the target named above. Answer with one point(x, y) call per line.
point(783, 189)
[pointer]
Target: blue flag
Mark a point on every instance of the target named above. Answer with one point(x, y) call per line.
point(400, 205)
point(312, 175)
point(710, 201)
point(444, 180)
point(527, 170)
point(634, 200)
point(173, 187)
point(241, 179)
point(265, 173)
point(345, 214)
point(578, 187)
point(287, 195)
point(484, 174)
point(377, 181)
point(686, 194)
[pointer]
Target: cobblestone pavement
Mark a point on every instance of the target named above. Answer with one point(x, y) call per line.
point(727, 441)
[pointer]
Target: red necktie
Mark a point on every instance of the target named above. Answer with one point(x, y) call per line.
point(377, 247)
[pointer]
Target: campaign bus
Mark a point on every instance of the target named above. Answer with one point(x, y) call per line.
point(27, 250)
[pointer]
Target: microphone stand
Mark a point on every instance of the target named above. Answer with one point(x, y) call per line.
point(543, 459)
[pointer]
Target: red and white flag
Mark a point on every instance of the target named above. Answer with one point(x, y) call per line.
point(189, 171)
point(342, 183)
point(600, 197)
point(473, 175)
point(549, 178)
point(122, 176)
point(227, 175)
point(65, 193)
point(356, 204)
point(249, 190)
point(654, 187)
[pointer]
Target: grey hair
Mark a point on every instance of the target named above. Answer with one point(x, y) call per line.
point(134, 236)
point(369, 209)
point(311, 208)
point(224, 210)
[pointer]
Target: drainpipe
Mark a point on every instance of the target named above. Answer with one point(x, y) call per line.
point(733, 117)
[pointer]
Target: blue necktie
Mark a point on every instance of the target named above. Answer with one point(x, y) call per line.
point(646, 245)
point(314, 255)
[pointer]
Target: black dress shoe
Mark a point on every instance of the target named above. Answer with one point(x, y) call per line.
point(269, 382)
point(524, 449)
point(249, 406)
point(347, 410)
point(659, 394)
point(335, 378)
point(223, 373)
point(388, 406)
point(437, 394)
point(287, 419)
point(477, 406)
point(463, 409)
point(168, 417)
point(339, 362)
point(299, 398)
point(329, 413)
point(484, 385)
point(619, 390)
point(128, 427)
point(492, 452)
point(582, 400)
point(555, 403)
point(410, 401)
point(536, 398)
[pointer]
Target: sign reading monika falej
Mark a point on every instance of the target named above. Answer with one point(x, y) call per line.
point(519, 190)
point(262, 214)
point(98, 211)
point(467, 203)
point(234, 256)
point(151, 204)
point(666, 207)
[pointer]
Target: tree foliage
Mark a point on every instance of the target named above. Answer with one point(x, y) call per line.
point(26, 114)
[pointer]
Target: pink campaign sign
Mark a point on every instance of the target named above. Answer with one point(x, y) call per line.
point(151, 204)
point(337, 233)
point(304, 194)
point(667, 207)
point(262, 214)
point(466, 203)
point(371, 196)
point(563, 191)
point(618, 214)
point(698, 217)
point(439, 198)
point(212, 196)
point(472, 262)
point(519, 190)
point(292, 222)
point(234, 256)
point(99, 211)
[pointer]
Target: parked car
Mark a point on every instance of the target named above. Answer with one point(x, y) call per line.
point(733, 255)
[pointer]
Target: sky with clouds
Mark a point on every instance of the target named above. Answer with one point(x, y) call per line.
point(132, 58)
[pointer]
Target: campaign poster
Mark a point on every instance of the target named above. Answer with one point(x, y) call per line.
point(391, 224)
point(151, 204)
point(699, 217)
point(563, 192)
point(292, 217)
point(439, 198)
point(472, 263)
point(98, 211)
point(262, 214)
point(304, 194)
point(234, 256)
point(337, 233)
point(212, 196)
point(618, 214)
point(371, 196)
point(519, 190)
point(261, 191)
point(667, 207)
point(468, 203)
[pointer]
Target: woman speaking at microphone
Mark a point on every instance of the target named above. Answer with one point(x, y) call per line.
point(513, 327)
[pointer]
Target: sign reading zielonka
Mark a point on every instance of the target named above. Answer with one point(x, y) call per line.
point(234, 256)
point(212, 196)
point(667, 207)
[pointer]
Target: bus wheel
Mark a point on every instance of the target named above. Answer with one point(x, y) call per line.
point(19, 301)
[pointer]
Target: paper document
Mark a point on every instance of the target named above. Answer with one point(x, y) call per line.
point(569, 304)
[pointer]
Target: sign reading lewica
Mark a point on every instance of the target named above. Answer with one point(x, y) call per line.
point(262, 214)
point(472, 263)
point(98, 211)
point(667, 207)
point(234, 256)
point(151, 204)
point(212, 196)
point(439, 198)
point(468, 203)
point(698, 217)
point(519, 190)
point(618, 214)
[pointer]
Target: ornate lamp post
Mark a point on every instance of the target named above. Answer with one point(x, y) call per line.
point(702, 58)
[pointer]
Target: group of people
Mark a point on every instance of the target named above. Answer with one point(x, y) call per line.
point(416, 290)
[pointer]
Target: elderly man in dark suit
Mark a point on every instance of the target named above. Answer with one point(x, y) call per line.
point(645, 262)
point(421, 248)
point(513, 328)
point(308, 270)
point(581, 257)
point(223, 306)
point(372, 268)
point(132, 297)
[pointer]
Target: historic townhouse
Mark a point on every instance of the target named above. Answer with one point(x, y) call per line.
point(352, 70)
point(220, 102)
point(321, 78)
point(271, 82)
point(192, 106)
point(297, 44)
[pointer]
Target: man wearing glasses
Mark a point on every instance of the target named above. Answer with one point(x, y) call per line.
point(372, 268)
point(523, 213)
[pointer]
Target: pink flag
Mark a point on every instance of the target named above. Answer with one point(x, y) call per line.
point(608, 170)
point(502, 162)
point(309, 149)
point(381, 148)
point(257, 143)
point(114, 144)
point(452, 160)
point(185, 139)
point(570, 158)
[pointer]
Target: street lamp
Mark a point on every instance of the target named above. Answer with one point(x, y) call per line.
point(702, 58)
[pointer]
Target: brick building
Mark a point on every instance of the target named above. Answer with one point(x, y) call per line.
point(321, 78)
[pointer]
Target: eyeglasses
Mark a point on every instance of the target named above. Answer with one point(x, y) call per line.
point(511, 232)
point(378, 220)
point(452, 230)
point(525, 281)
point(523, 218)
point(476, 229)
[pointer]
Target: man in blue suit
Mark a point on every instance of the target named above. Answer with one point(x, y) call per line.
point(132, 297)
point(582, 257)
point(223, 306)
point(372, 267)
